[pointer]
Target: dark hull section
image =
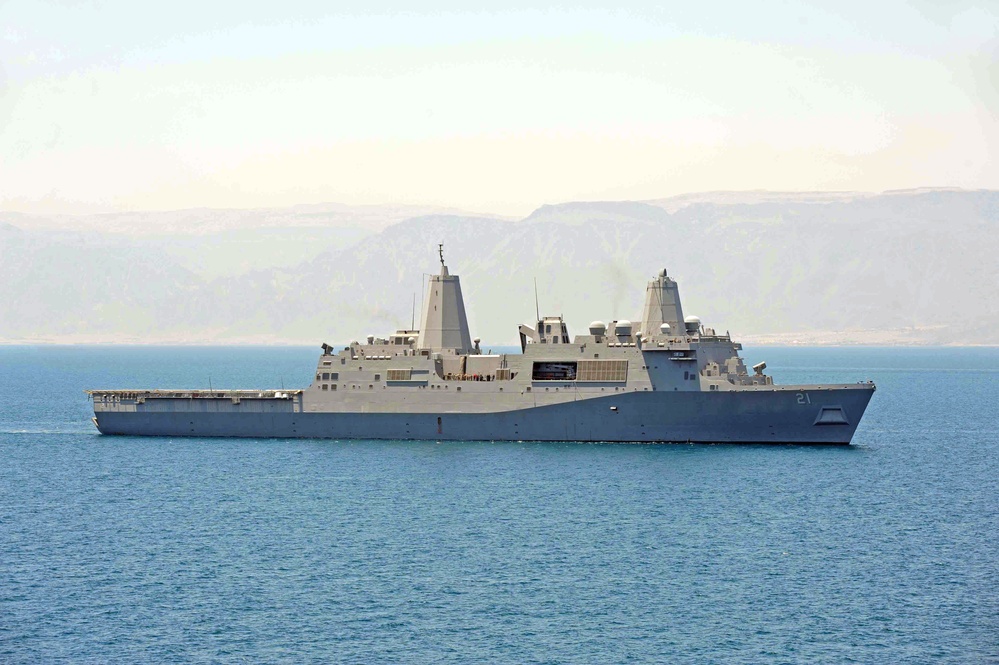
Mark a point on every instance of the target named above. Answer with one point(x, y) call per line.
point(777, 416)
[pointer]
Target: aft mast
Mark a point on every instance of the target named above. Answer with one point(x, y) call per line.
point(662, 305)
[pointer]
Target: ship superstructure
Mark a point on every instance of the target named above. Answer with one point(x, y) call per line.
point(667, 378)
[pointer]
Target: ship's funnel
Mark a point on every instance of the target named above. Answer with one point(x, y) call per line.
point(662, 305)
point(443, 326)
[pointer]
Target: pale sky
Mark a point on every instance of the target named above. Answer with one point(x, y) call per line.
point(124, 105)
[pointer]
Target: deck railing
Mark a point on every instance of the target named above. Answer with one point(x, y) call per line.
point(118, 395)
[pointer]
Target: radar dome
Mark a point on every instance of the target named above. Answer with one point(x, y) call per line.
point(623, 327)
point(664, 328)
point(692, 323)
point(692, 319)
point(598, 328)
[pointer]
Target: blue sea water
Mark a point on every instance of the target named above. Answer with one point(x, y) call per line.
point(117, 549)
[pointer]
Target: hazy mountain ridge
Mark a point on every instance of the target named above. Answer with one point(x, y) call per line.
point(206, 221)
point(915, 267)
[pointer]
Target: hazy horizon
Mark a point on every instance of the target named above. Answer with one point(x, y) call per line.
point(415, 209)
point(896, 268)
point(404, 206)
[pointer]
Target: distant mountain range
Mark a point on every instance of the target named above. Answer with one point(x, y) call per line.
point(915, 267)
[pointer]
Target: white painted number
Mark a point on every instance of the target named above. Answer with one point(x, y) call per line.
point(803, 398)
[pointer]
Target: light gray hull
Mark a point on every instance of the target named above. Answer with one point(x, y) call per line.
point(828, 416)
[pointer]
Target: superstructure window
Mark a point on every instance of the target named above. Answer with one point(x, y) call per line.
point(326, 376)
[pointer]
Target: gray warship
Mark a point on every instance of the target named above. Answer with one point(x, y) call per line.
point(667, 378)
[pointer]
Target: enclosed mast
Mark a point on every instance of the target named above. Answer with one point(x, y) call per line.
point(444, 326)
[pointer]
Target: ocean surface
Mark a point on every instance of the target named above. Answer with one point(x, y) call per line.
point(117, 549)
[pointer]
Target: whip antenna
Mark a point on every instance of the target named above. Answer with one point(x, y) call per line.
point(537, 307)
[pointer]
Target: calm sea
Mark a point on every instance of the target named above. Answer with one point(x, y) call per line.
point(118, 549)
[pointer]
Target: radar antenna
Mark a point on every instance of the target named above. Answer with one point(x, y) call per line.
point(440, 248)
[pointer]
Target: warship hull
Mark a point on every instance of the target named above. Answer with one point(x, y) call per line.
point(668, 379)
point(798, 414)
